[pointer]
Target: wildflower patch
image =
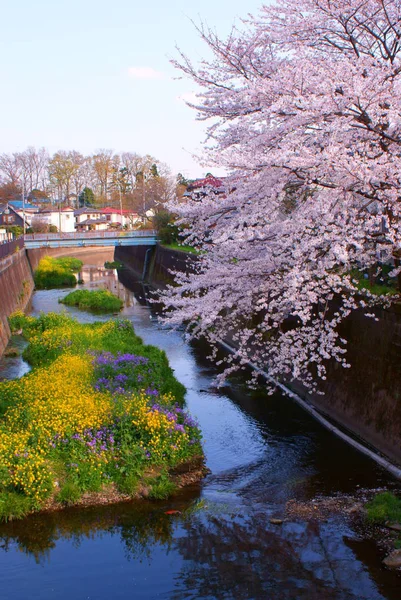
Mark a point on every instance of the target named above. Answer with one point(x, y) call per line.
point(99, 411)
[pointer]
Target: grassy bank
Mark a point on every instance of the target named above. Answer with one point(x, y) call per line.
point(57, 272)
point(95, 300)
point(181, 248)
point(99, 415)
point(385, 509)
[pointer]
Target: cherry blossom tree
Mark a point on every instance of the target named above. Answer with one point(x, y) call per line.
point(304, 113)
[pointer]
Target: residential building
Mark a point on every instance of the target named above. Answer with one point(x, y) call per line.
point(123, 218)
point(10, 217)
point(200, 187)
point(62, 219)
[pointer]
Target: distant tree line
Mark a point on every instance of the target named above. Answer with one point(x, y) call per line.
point(128, 179)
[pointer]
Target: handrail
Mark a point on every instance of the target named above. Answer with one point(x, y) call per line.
point(89, 235)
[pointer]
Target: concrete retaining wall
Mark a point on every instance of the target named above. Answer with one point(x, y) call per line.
point(160, 262)
point(16, 286)
point(366, 399)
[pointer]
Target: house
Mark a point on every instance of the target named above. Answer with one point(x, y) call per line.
point(85, 213)
point(10, 217)
point(93, 225)
point(62, 219)
point(24, 209)
point(118, 217)
point(200, 187)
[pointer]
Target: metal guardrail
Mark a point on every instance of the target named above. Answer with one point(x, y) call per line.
point(88, 235)
point(7, 248)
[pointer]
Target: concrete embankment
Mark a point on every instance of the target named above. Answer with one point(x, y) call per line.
point(364, 401)
point(16, 285)
point(153, 264)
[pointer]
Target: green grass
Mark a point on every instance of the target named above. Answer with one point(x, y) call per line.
point(115, 264)
point(161, 487)
point(69, 493)
point(384, 507)
point(181, 248)
point(14, 506)
point(94, 300)
point(377, 288)
point(56, 272)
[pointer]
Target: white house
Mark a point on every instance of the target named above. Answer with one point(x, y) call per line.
point(62, 219)
point(92, 225)
point(124, 218)
point(83, 214)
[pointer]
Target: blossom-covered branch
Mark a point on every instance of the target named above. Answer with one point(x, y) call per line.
point(305, 115)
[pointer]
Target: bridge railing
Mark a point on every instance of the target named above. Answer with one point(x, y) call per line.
point(7, 248)
point(89, 235)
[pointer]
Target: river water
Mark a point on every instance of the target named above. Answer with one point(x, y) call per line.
point(262, 452)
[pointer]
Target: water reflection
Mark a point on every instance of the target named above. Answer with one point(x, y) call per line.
point(218, 551)
point(140, 527)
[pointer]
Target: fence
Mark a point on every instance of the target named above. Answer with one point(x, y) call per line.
point(7, 248)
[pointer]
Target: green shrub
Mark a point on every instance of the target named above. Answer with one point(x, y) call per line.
point(96, 300)
point(56, 272)
point(70, 263)
point(115, 264)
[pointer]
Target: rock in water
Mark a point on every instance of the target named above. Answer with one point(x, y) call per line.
point(393, 526)
point(276, 521)
point(393, 560)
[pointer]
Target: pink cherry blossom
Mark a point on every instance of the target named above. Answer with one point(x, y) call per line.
point(304, 112)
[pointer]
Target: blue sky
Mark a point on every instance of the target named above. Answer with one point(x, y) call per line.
point(91, 74)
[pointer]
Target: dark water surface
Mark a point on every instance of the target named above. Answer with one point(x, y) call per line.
point(262, 451)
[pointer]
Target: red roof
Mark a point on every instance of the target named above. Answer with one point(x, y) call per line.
point(117, 211)
point(209, 181)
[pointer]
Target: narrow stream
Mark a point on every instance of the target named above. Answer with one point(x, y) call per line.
point(262, 452)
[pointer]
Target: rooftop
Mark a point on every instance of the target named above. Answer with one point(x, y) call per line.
point(19, 205)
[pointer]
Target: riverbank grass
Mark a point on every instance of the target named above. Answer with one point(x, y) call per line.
point(113, 264)
point(100, 414)
point(93, 300)
point(57, 272)
point(385, 507)
point(181, 248)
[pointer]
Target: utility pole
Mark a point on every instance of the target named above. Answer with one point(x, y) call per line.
point(121, 203)
point(23, 204)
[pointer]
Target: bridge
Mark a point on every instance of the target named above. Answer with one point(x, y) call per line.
point(91, 238)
